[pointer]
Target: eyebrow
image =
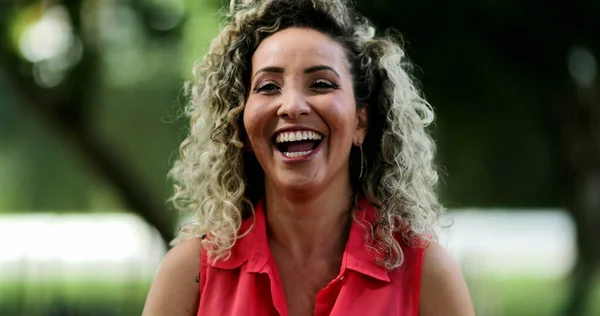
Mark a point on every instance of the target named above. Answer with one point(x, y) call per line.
point(269, 69)
point(306, 71)
point(319, 68)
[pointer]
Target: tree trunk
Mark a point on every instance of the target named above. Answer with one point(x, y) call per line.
point(65, 110)
point(580, 146)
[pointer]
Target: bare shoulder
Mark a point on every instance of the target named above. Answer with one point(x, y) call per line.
point(443, 288)
point(175, 290)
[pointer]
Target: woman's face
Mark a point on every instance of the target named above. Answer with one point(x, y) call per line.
point(301, 117)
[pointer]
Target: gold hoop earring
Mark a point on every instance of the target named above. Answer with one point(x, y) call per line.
point(362, 161)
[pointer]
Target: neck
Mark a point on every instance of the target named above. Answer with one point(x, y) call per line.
point(305, 224)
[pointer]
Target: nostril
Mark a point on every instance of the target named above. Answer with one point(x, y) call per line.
point(292, 107)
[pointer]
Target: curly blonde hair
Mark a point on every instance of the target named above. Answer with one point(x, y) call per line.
point(217, 182)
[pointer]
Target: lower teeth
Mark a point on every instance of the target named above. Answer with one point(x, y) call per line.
point(297, 154)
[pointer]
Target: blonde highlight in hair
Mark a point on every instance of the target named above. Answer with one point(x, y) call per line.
point(217, 181)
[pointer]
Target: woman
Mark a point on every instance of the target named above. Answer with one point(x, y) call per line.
point(310, 173)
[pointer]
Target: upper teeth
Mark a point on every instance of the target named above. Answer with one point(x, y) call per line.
point(297, 136)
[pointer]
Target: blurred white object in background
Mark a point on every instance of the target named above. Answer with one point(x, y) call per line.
point(535, 243)
point(117, 246)
point(120, 246)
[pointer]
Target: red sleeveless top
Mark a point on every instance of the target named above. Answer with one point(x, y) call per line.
point(248, 284)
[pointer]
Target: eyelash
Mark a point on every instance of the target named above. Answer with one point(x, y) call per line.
point(328, 84)
point(317, 85)
point(261, 88)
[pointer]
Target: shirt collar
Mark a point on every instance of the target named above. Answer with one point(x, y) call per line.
point(253, 247)
point(359, 255)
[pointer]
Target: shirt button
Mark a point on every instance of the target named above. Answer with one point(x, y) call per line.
point(342, 278)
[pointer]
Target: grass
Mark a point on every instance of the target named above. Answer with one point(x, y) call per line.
point(78, 298)
point(525, 296)
point(492, 297)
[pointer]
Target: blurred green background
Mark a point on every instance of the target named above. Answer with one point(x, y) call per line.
point(90, 101)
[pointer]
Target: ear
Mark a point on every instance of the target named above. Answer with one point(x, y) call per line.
point(362, 124)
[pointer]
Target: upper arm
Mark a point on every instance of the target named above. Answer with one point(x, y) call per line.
point(175, 290)
point(443, 288)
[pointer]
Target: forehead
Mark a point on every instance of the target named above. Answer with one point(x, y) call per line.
point(298, 45)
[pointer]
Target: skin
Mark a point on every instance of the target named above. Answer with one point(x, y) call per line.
point(175, 290)
point(305, 201)
point(300, 79)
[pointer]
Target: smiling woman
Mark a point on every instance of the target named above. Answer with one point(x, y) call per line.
point(301, 84)
point(309, 171)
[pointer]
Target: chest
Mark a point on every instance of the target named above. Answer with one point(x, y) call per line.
point(302, 282)
point(239, 292)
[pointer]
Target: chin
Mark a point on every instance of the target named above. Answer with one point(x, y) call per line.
point(297, 183)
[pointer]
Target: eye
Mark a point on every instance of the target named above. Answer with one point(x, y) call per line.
point(267, 88)
point(324, 85)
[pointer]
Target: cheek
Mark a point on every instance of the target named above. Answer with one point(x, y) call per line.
point(251, 119)
point(255, 123)
point(248, 124)
point(340, 114)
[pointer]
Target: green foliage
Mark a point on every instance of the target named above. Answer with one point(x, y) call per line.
point(135, 103)
point(74, 298)
point(201, 26)
point(495, 72)
point(534, 296)
point(490, 102)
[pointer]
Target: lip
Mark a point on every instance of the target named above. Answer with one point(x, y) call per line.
point(308, 157)
point(297, 159)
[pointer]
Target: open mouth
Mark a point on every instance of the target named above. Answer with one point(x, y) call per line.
point(295, 144)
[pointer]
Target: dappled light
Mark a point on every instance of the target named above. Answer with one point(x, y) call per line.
point(91, 101)
point(582, 66)
point(48, 38)
point(51, 46)
point(168, 16)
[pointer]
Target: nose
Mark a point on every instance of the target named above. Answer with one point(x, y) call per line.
point(293, 104)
